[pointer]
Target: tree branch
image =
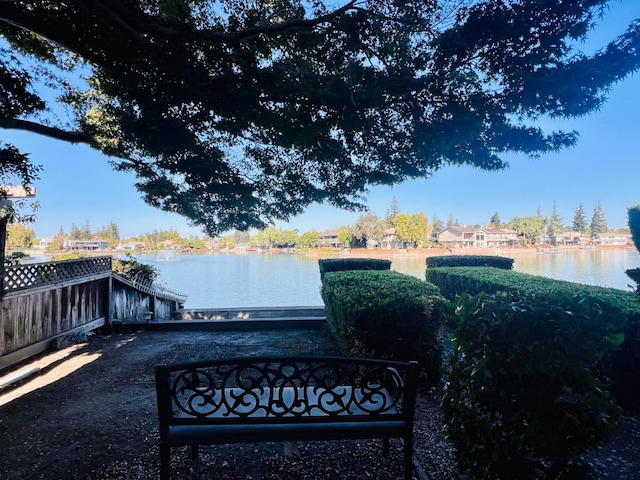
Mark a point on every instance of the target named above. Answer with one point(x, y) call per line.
point(52, 132)
point(110, 12)
point(248, 34)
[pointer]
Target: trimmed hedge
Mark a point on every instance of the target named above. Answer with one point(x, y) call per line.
point(633, 215)
point(470, 261)
point(616, 307)
point(344, 264)
point(454, 281)
point(386, 314)
point(524, 398)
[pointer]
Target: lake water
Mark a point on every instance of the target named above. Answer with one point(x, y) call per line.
point(268, 280)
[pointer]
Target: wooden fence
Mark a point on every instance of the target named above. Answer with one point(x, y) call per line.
point(45, 303)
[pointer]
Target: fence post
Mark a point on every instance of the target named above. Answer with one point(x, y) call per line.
point(110, 304)
point(3, 244)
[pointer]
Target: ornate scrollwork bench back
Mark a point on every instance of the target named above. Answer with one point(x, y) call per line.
point(278, 399)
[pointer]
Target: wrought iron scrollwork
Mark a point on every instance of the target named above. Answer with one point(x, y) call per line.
point(287, 389)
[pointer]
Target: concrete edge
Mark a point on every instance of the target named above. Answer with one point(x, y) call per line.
point(233, 324)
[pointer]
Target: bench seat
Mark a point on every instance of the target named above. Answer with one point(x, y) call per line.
point(253, 433)
point(279, 399)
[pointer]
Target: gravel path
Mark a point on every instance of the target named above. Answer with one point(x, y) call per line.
point(91, 415)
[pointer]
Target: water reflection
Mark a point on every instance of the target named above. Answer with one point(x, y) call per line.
point(263, 280)
point(593, 267)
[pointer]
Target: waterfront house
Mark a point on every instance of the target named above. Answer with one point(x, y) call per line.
point(43, 244)
point(569, 238)
point(389, 239)
point(465, 237)
point(611, 239)
point(169, 245)
point(501, 237)
point(329, 238)
point(130, 246)
point(86, 245)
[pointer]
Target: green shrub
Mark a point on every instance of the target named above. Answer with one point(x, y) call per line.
point(454, 281)
point(129, 267)
point(63, 257)
point(618, 306)
point(385, 314)
point(470, 261)
point(135, 271)
point(15, 258)
point(633, 220)
point(630, 396)
point(524, 398)
point(344, 264)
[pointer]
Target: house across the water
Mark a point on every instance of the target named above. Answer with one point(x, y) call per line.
point(464, 237)
point(86, 245)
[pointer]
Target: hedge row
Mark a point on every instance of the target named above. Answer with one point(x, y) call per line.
point(344, 264)
point(386, 314)
point(470, 261)
point(615, 308)
point(454, 281)
point(525, 398)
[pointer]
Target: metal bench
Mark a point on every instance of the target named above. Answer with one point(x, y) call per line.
point(285, 399)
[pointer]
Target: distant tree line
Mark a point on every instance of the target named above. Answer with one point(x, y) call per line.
point(411, 230)
point(534, 226)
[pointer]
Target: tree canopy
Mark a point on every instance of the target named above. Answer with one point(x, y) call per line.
point(369, 229)
point(238, 113)
point(411, 229)
point(527, 227)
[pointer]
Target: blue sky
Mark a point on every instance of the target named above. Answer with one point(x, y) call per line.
point(78, 185)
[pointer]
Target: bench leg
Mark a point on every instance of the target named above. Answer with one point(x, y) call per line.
point(165, 461)
point(385, 447)
point(408, 457)
point(194, 452)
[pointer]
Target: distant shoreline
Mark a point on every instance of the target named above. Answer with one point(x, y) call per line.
point(431, 252)
point(357, 252)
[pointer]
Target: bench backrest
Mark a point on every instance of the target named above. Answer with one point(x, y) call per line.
point(285, 390)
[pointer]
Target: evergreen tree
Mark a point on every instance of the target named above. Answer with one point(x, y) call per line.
point(495, 220)
point(598, 221)
point(75, 233)
point(579, 220)
point(111, 232)
point(436, 227)
point(392, 211)
point(554, 222)
point(451, 222)
point(85, 231)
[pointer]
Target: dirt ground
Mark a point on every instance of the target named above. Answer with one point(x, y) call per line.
point(90, 414)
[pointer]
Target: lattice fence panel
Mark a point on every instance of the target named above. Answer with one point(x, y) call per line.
point(17, 277)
